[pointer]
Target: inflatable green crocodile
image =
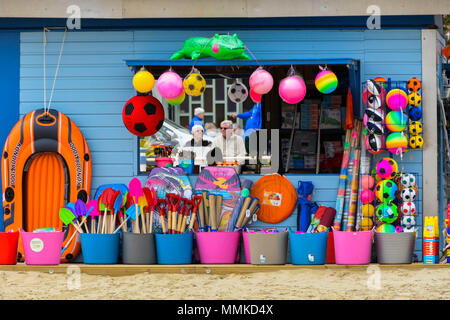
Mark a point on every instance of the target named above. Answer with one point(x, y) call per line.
point(219, 47)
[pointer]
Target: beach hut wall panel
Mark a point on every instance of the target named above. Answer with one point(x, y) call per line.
point(94, 82)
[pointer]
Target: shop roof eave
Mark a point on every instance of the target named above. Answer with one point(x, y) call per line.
point(215, 62)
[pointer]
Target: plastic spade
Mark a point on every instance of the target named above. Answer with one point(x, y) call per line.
point(188, 205)
point(81, 211)
point(196, 201)
point(92, 207)
point(149, 198)
point(67, 218)
point(161, 208)
point(142, 201)
point(133, 213)
point(135, 191)
point(106, 203)
point(116, 205)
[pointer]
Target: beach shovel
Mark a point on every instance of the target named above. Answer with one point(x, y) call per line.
point(92, 207)
point(67, 217)
point(117, 205)
point(196, 201)
point(142, 202)
point(133, 213)
point(106, 203)
point(135, 191)
point(161, 208)
point(81, 211)
point(188, 205)
point(150, 206)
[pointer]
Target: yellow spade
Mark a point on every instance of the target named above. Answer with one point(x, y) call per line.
point(142, 202)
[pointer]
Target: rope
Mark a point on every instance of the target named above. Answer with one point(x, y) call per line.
point(44, 40)
point(57, 69)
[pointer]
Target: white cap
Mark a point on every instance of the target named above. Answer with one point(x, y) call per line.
point(196, 127)
point(197, 111)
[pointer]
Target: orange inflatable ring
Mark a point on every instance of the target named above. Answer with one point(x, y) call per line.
point(277, 198)
point(45, 164)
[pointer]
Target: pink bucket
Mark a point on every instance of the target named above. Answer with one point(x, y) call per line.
point(352, 247)
point(218, 247)
point(42, 248)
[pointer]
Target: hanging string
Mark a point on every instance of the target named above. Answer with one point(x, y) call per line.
point(57, 69)
point(44, 45)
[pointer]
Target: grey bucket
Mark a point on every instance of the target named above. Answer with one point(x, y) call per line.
point(138, 248)
point(395, 247)
point(268, 248)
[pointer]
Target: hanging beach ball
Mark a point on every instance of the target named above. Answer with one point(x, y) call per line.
point(261, 81)
point(396, 142)
point(292, 89)
point(396, 121)
point(413, 84)
point(386, 228)
point(194, 84)
point(143, 115)
point(178, 100)
point(326, 81)
point(169, 85)
point(397, 99)
point(143, 81)
point(237, 92)
point(255, 96)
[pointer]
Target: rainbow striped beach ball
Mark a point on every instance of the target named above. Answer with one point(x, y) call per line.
point(326, 81)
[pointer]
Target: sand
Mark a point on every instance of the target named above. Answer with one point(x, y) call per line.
point(305, 283)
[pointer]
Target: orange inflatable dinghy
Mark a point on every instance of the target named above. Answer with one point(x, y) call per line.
point(46, 163)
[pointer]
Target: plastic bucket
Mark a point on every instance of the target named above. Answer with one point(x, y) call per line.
point(395, 248)
point(42, 248)
point(268, 248)
point(9, 243)
point(308, 248)
point(174, 248)
point(100, 248)
point(248, 257)
point(164, 162)
point(352, 247)
point(331, 257)
point(138, 248)
point(187, 165)
point(218, 247)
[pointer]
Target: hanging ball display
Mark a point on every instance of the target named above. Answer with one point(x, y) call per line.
point(408, 208)
point(326, 81)
point(366, 196)
point(366, 223)
point(373, 87)
point(292, 89)
point(387, 212)
point(367, 182)
point(396, 142)
point(396, 99)
point(169, 85)
point(237, 92)
point(143, 115)
point(415, 113)
point(416, 142)
point(408, 195)
point(413, 84)
point(367, 210)
point(386, 190)
point(256, 98)
point(387, 168)
point(178, 100)
point(386, 228)
point(408, 180)
point(143, 81)
point(194, 84)
point(414, 99)
point(374, 143)
point(396, 121)
point(261, 81)
point(415, 127)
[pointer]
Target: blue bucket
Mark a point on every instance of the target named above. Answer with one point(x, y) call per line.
point(308, 248)
point(174, 248)
point(100, 248)
point(187, 165)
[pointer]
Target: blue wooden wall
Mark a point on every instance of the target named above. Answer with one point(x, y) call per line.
point(94, 82)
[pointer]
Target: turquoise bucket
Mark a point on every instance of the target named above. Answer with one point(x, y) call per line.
point(100, 248)
point(308, 248)
point(174, 248)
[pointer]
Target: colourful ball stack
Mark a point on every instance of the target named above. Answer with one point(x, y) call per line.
point(396, 121)
point(408, 208)
point(374, 98)
point(367, 197)
point(385, 192)
point(415, 113)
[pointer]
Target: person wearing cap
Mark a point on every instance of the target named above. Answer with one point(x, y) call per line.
point(199, 114)
point(197, 140)
point(230, 144)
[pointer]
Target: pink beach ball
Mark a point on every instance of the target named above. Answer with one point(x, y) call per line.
point(292, 89)
point(169, 85)
point(261, 81)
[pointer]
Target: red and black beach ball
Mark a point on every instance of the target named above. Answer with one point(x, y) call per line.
point(143, 115)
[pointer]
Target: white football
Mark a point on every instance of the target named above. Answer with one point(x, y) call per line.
point(408, 180)
point(408, 195)
point(408, 221)
point(237, 92)
point(408, 208)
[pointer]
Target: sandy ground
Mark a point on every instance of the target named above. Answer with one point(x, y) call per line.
point(372, 283)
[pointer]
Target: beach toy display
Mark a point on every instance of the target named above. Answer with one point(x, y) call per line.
point(326, 81)
point(42, 248)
